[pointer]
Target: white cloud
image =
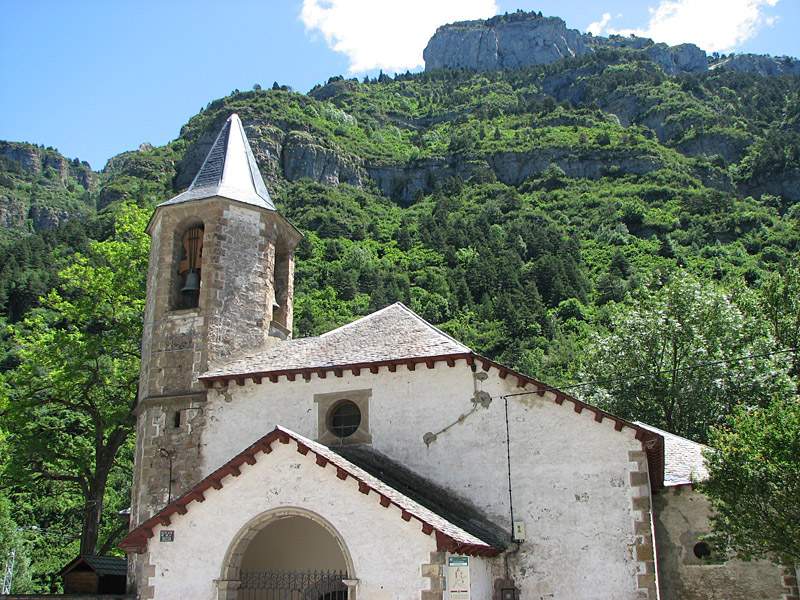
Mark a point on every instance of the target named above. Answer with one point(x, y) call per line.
point(386, 34)
point(714, 25)
point(601, 26)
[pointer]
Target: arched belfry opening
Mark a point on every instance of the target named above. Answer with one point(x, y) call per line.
point(188, 266)
point(287, 555)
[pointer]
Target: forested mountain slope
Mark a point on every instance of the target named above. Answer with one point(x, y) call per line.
point(441, 189)
point(535, 214)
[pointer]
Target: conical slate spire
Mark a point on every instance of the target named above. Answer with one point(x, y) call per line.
point(229, 170)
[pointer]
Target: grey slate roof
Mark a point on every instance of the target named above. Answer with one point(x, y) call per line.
point(683, 459)
point(392, 333)
point(425, 493)
point(440, 513)
point(102, 565)
point(229, 170)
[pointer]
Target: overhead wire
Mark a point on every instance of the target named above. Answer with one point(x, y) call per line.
point(693, 367)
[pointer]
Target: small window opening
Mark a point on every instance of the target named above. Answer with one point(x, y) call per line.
point(281, 281)
point(176, 419)
point(702, 550)
point(345, 419)
point(276, 309)
point(189, 267)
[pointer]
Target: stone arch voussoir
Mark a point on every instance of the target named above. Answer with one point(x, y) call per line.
point(228, 583)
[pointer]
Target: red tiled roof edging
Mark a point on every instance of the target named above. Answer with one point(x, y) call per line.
point(652, 443)
point(137, 538)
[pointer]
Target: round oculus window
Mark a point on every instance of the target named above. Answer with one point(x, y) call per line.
point(702, 550)
point(345, 419)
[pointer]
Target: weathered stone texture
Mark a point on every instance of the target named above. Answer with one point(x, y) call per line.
point(760, 64)
point(304, 157)
point(234, 313)
point(681, 519)
point(25, 155)
point(683, 58)
point(48, 217)
point(242, 262)
point(392, 333)
point(12, 212)
point(169, 450)
point(504, 44)
point(525, 39)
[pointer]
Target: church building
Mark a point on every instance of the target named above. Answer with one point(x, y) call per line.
point(383, 460)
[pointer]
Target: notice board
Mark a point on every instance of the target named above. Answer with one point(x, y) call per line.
point(458, 577)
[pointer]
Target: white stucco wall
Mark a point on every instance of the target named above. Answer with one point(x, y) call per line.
point(570, 473)
point(387, 552)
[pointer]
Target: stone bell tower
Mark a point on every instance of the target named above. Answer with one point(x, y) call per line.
point(220, 281)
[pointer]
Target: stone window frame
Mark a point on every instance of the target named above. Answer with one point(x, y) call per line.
point(174, 300)
point(328, 401)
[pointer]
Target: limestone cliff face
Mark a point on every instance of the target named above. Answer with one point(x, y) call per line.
point(25, 156)
point(760, 64)
point(282, 154)
point(12, 213)
point(525, 39)
point(40, 187)
point(683, 58)
point(303, 157)
point(785, 184)
point(503, 43)
point(31, 160)
point(404, 183)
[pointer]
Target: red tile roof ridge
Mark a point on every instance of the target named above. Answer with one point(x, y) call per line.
point(449, 537)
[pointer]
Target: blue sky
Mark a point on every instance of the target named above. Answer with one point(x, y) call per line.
point(95, 78)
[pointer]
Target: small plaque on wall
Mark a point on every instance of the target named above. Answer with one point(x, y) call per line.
point(166, 535)
point(458, 577)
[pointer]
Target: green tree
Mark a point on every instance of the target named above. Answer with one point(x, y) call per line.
point(14, 549)
point(681, 358)
point(780, 302)
point(68, 404)
point(754, 482)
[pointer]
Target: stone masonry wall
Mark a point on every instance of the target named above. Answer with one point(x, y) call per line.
point(241, 292)
point(681, 519)
point(236, 294)
point(233, 314)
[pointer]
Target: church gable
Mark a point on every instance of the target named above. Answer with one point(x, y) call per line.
point(396, 339)
point(390, 336)
point(449, 536)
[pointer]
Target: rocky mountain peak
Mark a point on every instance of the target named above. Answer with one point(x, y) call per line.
point(41, 186)
point(524, 39)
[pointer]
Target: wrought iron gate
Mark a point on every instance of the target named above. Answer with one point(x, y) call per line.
point(293, 585)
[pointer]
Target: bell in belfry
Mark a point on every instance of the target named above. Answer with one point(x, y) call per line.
point(192, 283)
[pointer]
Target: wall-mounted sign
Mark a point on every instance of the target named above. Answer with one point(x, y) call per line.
point(166, 535)
point(458, 577)
point(519, 531)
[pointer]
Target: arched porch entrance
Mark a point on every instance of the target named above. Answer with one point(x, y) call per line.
point(287, 554)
